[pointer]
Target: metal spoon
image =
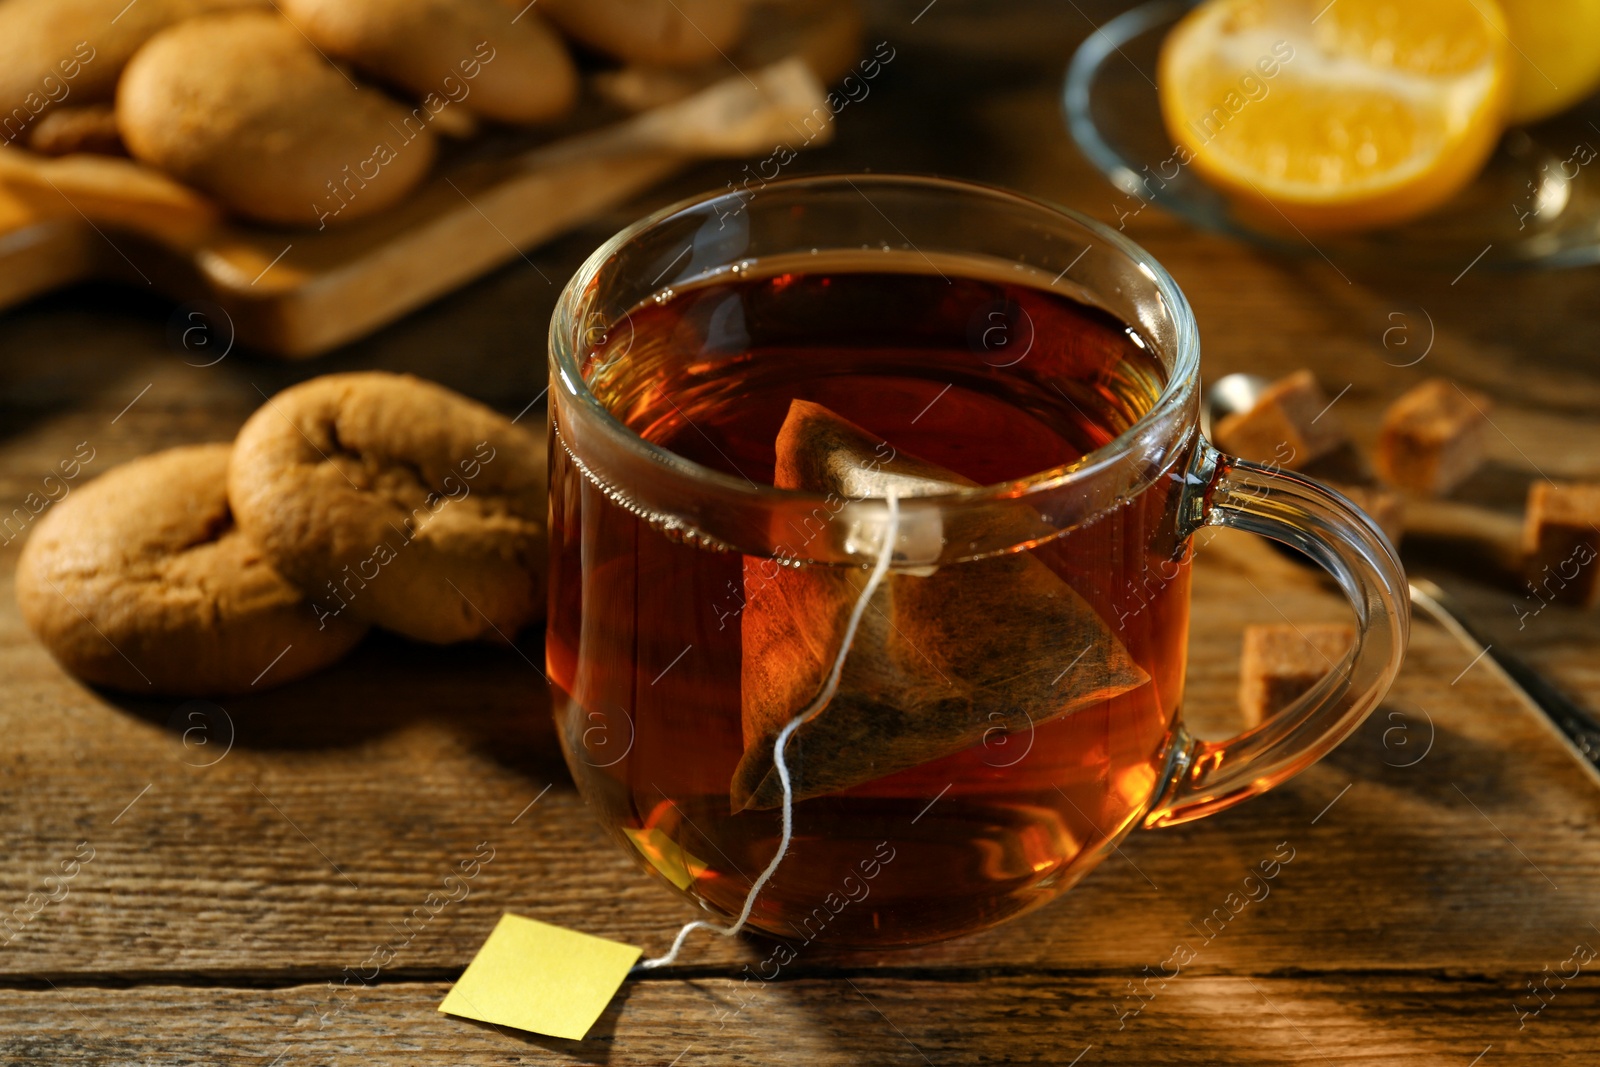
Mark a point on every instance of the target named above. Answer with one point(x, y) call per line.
point(1578, 728)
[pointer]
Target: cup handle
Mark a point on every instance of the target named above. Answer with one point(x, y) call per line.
point(1207, 776)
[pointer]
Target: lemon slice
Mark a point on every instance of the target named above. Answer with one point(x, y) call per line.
point(1336, 116)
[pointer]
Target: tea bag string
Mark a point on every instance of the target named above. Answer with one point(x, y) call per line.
point(829, 688)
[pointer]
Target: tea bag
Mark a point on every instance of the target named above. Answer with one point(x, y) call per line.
point(943, 655)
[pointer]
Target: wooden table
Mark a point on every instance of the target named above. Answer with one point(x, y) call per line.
point(231, 886)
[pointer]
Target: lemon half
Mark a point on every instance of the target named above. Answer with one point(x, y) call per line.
point(1336, 116)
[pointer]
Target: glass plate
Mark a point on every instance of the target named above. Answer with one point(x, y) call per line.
point(1536, 204)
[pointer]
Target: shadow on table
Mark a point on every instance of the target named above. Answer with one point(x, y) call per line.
point(1421, 753)
point(596, 1048)
point(494, 697)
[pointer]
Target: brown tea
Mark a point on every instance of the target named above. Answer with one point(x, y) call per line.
point(975, 376)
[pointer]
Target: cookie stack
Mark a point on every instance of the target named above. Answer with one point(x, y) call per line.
point(349, 501)
point(315, 112)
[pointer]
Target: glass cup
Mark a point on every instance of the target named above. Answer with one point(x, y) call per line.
point(907, 830)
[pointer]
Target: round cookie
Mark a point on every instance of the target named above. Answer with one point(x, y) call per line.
point(240, 106)
point(670, 33)
point(55, 52)
point(400, 502)
point(141, 581)
point(449, 53)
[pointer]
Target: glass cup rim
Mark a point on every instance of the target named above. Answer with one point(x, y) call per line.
point(1175, 392)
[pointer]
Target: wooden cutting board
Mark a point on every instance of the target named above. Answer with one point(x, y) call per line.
point(298, 293)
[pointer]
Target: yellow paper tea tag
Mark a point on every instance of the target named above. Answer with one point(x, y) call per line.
point(540, 978)
point(662, 852)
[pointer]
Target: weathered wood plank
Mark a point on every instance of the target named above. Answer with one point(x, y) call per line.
point(1199, 1018)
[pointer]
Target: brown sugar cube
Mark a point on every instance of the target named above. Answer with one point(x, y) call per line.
point(1385, 507)
point(1282, 662)
point(1561, 542)
point(1433, 437)
point(1289, 426)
